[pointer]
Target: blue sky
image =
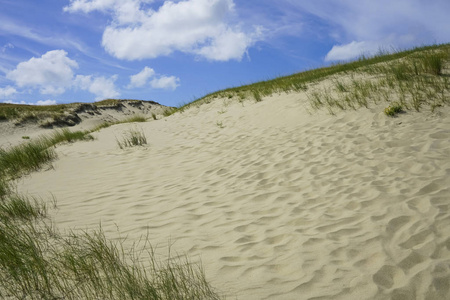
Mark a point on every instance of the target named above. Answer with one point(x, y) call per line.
point(172, 52)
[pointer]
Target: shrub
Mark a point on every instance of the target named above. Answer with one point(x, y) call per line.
point(393, 110)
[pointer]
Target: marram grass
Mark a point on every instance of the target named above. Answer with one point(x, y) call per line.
point(422, 61)
point(39, 262)
point(133, 137)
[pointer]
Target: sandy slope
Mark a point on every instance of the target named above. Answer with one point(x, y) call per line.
point(278, 204)
point(13, 133)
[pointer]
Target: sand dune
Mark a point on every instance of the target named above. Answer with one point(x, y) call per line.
point(86, 116)
point(277, 203)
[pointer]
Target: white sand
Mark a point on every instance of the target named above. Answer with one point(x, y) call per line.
point(277, 204)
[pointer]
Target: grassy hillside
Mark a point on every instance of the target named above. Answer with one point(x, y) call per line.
point(20, 113)
point(419, 75)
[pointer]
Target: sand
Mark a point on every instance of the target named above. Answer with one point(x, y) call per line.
point(13, 133)
point(277, 203)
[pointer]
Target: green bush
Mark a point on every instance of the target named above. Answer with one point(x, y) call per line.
point(393, 110)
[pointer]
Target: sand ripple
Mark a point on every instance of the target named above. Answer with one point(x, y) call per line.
point(278, 204)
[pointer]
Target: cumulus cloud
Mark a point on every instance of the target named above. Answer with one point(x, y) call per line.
point(368, 25)
point(201, 27)
point(101, 86)
point(7, 91)
point(165, 82)
point(351, 50)
point(141, 78)
point(149, 77)
point(52, 73)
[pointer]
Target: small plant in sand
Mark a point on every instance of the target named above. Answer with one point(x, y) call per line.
point(220, 124)
point(393, 110)
point(131, 138)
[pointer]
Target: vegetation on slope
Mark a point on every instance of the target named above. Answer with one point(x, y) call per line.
point(60, 115)
point(416, 69)
point(39, 262)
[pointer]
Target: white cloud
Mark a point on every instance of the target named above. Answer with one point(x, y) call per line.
point(201, 27)
point(89, 5)
point(52, 72)
point(7, 46)
point(46, 102)
point(165, 82)
point(228, 44)
point(102, 87)
point(141, 78)
point(351, 50)
point(149, 77)
point(368, 25)
point(17, 102)
point(40, 102)
point(7, 91)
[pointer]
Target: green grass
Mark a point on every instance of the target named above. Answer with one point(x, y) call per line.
point(134, 119)
point(16, 111)
point(131, 138)
point(422, 60)
point(433, 62)
point(25, 158)
point(39, 262)
point(409, 82)
point(32, 155)
point(393, 110)
point(19, 207)
point(102, 126)
point(66, 135)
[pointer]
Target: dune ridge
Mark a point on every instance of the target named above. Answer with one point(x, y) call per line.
point(276, 202)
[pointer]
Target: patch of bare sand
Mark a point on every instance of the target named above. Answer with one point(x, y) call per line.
point(277, 203)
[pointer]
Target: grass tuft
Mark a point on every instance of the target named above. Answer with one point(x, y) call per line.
point(65, 135)
point(132, 138)
point(19, 207)
point(24, 158)
point(433, 62)
point(134, 119)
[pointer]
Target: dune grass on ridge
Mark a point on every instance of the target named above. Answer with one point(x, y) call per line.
point(412, 83)
point(299, 82)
